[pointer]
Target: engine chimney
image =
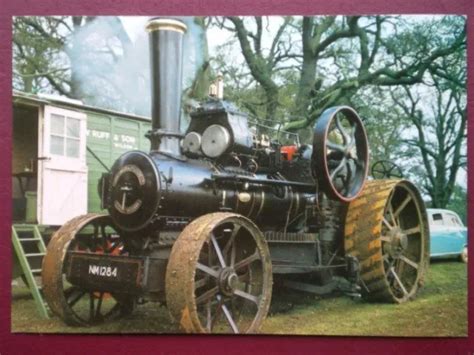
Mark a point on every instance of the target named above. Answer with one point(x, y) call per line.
point(166, 63)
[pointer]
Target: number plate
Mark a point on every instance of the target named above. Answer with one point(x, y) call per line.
point(106, 272)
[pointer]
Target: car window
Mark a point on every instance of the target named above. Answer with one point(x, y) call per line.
point(437, 219)
point(453, 220)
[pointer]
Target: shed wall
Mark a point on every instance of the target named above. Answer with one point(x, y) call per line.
point(109, 137)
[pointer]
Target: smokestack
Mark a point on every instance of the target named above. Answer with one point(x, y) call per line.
point(166, 63)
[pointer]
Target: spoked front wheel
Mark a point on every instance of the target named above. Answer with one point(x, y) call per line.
point(219, 276)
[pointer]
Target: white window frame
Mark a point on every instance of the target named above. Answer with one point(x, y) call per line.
point(65, 136)
point(64, 160)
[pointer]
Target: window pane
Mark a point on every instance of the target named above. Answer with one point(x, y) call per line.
point(438, 219)
point(453, 220)
point(72, 148)
point(73, 127)
point(57, 145)
point(57, 124)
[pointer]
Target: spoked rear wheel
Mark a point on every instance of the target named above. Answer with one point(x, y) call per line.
point(219, 276)
point(76, 305)
point(387, 231)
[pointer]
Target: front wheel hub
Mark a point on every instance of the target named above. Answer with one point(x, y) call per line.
point(228, 281)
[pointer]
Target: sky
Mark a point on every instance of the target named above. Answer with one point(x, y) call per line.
point(135, 26)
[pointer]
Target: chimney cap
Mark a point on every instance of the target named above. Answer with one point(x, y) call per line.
point(166, 24)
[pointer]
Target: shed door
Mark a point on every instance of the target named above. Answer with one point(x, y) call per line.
point(62, 168)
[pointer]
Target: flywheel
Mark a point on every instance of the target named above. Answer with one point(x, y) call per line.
point(340, 158)
point(386, 229)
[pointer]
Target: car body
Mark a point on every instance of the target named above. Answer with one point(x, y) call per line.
point(448, 234)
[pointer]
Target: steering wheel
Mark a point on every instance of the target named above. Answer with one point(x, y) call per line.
point(385, 169)
point(340, 159)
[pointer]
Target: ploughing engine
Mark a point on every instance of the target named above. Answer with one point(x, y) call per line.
point(208, 221)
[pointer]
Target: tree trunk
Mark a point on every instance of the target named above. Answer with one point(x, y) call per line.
point(308, 72)
point(306, 85)
point(28, 84)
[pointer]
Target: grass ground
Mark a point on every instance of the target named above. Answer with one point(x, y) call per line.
point(440, 309)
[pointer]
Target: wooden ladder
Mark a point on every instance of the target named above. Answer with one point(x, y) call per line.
point(30, 249)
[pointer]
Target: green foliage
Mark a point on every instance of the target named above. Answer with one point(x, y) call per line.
point(384, 127)
point(38, 59)
point(397, 72)
point(458, 203)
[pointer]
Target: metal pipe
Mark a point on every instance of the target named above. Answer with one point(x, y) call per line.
point(166, 64)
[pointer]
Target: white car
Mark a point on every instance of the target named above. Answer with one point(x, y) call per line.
point(448, 234)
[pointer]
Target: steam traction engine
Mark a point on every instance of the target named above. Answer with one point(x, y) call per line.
point(208, 221)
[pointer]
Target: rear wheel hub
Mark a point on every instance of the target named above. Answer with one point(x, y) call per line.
point(397, 244)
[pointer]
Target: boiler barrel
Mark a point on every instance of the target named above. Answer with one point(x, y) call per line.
point(192, 192)
point(144, 188)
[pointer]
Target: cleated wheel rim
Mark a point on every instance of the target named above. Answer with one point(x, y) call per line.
point(387, 231)
point(219, 276)
point(75, 305)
